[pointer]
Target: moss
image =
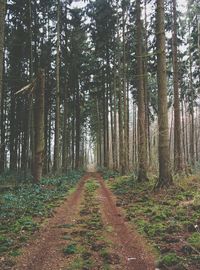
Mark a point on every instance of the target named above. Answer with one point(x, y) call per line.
point(194, 240)
point(70, 249)
point(170, 259)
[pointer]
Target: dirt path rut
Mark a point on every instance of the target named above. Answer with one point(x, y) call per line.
point(45, 252)
point(127, 242)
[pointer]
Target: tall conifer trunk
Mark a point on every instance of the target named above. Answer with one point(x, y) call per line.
point(39, 127)
point(177, 118)
point(2, 20)
point(57, 113)
point(142, 143)
point(165, 177)
point(2, 143)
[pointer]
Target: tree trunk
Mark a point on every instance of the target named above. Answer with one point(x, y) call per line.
point(115, 144)
point(2, 93)
point(165, 177)
point(142, 143)
point(2, 21)
point(77, 158)
point(39, 126)
point(191, 106)
point(3, 132)
point(65, 127)
point(57, 114)
point(177, 122)
point(125, 148)
point(146, 93)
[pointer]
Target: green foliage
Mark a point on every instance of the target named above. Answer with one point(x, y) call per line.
point(70, 249)
point(170, 259)
point(91, 186)
point(25, 223)
point(107, 174)
point(194, 240)
point(5, 243)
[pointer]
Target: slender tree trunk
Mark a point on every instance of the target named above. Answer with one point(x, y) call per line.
point(57, 114)
point(146, 94)
point(165, 177)
point(128, 128)
point(196, 136)
point(125, 148)
point(105, 164)
point(73, 133)
point(39, 126)
point(115, 146)
point(2, 22)
point(98, 134)
point(24, 154)
point(142, 143)
point(65, 127)
point(107, 129)
point(186, 133)
point(191, 103)
point(2, 93)
point(177, 122)
point(77, 160)
point(31, 107)
point(3, 131)
point(121, 139)
point(183, 133)
point(112, 130)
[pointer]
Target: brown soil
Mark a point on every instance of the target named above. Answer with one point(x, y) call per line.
point(45, 251)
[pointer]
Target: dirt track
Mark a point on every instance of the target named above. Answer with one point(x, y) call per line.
point(45, 251)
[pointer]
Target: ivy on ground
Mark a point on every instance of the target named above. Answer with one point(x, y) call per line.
point(22, 205)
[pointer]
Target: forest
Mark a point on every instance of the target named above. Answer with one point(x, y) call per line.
point(99, 134)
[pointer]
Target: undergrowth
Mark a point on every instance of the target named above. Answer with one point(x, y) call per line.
point(170, 219)
point(24, 207)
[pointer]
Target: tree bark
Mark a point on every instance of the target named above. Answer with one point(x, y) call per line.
point(125, 120)
point(2, 22)
point(165, 177)
point(177, 122)
point(39, 127)
point(2, 144)
point(142, 140)
point(77, 158)
point(57, 113)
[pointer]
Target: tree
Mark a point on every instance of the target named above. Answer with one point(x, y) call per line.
point(39, 126)
point(2, 20)
point(142, 140)
point(165, 177)
point(57, 113)
point(177, 120)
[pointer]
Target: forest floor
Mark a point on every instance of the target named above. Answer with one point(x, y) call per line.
point(87, 231)
point(169, 218)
